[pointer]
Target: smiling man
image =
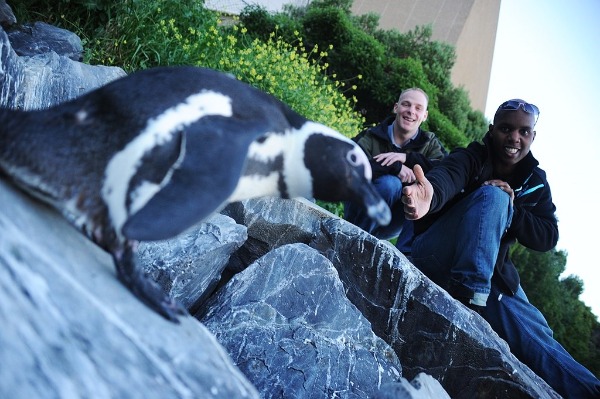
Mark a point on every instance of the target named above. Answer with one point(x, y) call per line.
point(469, 210)
point(394, 147)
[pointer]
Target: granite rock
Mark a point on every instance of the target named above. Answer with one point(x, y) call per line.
point(429, 330)
point(72, 330)
point(289, 326)
point(190, 266)
point(47, 78)
point(40, 38)
point(7, 18)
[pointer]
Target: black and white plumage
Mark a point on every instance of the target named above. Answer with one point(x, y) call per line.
point(151, 154)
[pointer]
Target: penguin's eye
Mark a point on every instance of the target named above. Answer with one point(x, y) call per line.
point(353, 158)
point(358, 160)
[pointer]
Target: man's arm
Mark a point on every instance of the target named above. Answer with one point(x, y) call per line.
point(431, 155)
point(389, 159)
point(367, 144)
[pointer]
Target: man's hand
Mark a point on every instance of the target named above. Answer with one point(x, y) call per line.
point(417, 197)
point(388, 158)
point(406, 174)
point(504, 186)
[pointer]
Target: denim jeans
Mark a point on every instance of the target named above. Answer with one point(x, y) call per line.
point(530, 338)
point(390, 189)
point(458, 252)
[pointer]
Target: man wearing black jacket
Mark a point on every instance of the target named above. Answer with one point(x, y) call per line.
point(469, 210)
point(394, 147)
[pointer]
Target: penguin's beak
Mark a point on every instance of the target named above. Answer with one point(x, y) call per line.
point(376, 207)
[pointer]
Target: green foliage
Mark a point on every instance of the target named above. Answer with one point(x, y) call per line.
point(456, 103)
point(446, 131)
point(438, 58)
point(337, 208)
point(369, 23)
point(354, 52)
point(477, 125)
point(77, 15)
point(260, 23)
point(75, 8)
point(291, 74)
point(344, 5)
point(147, 33)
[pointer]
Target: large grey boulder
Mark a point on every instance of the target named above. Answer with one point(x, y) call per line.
point(190, 266)
point(429, 331)
point(289, 326)
point(40, 38)
point(71, 330)
point(7, 18)
point(46, 77)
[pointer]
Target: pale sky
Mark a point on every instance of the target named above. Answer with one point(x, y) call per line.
point(548, 53)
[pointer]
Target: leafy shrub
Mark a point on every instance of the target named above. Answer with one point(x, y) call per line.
point(260, 23)
point(449, 134)
point(285, 70)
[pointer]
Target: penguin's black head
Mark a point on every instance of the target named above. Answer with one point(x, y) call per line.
point(340, 171)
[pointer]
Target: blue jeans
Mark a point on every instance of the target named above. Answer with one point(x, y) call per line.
point(530, 338)
point(458, 252)
point(390, 189)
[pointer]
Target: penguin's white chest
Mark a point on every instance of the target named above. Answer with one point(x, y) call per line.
point(275, 167)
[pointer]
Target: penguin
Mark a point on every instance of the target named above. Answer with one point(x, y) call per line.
point(149, 155)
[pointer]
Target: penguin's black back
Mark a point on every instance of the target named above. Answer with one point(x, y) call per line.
point(150, 91)
point(75, 142)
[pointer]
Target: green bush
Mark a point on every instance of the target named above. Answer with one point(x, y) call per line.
point(290, 73)
point(449, 134)
point(354, 53)
point(261, 23)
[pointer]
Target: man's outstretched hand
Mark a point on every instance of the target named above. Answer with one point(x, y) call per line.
point(417, 197)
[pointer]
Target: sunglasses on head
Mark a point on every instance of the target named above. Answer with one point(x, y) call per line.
point(513, 105)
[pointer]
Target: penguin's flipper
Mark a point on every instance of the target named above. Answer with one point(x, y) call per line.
point(204, 177)
point(150, 293)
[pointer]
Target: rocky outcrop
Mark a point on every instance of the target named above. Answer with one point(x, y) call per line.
point(71, 330)
point(288, 301)
point(428, 330)
point(37, 74)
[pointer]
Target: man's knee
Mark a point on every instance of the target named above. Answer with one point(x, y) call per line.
point(389, 187)
point(494, 195)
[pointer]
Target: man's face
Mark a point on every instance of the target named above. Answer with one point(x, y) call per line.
point(512, 135)
point(411, 111)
